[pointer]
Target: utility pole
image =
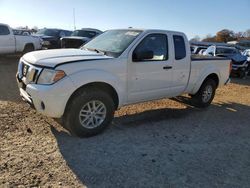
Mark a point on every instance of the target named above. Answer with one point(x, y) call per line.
point(74, 17)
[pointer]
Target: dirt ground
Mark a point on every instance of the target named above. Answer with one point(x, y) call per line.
point(166, 143)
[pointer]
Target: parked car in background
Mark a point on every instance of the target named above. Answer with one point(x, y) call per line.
point(79, 37)
point(51, 37)
point(10, 43)
point(202, 51)
point(197, 49)
point(247, 54)
point(240, 65)
point(21, 32)
point(119, 67)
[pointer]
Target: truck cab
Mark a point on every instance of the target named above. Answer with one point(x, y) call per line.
point(155, 67)
point(7, 44)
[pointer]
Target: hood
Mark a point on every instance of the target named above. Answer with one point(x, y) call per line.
point(52, 58)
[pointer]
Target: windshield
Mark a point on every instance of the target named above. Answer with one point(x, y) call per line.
point(82, 33)
point(226, 51)
point(48, 32)
point(112, 42)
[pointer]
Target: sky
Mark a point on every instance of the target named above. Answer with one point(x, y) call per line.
point(193, 17)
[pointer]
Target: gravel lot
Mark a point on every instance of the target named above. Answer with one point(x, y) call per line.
point(166, 143)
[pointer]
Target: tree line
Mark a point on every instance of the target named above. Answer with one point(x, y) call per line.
point(224, 35)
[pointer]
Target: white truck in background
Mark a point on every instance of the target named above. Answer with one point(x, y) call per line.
point(85, 86)
point(10, 43)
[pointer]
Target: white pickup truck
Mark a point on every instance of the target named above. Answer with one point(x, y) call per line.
point(85, 86)
point(10, 43)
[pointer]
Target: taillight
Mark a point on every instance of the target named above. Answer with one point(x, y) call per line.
point(230, 67)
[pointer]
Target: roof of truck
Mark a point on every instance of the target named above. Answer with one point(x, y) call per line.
point(150, 30)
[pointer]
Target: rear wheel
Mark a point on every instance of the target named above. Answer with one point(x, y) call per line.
point(89, 112)
point(205, 95)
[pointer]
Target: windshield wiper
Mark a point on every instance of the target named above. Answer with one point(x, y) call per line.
point(95, 50)
point(98, 51)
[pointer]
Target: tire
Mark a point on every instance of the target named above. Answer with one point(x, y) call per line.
point(205, 95)
point(81, 119)
point(28, 48)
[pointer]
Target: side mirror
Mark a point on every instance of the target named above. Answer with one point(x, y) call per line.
point(143, 55)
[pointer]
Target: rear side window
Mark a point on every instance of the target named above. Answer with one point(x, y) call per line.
point(4, 30)
point(179, 47)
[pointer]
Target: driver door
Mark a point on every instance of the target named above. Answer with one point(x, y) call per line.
point(150, 69)
point(7, 40)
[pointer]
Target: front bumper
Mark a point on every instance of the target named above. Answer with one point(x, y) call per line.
point(49, 100)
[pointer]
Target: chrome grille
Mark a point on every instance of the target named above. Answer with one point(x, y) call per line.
point(28, 73)
point(25, 69)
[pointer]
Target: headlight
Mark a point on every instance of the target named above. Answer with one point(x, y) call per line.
point(50, 76)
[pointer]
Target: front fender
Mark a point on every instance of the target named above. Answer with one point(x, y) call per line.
point(85, 77)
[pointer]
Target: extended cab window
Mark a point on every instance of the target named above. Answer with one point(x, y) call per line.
point(4, 30)
point(179, 47)
point(153, 47)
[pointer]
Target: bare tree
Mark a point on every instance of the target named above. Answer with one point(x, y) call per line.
point(209, 38)
point(247, 33)
point(224, 35)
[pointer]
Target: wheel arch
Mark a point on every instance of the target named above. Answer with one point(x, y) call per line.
point(100, 85)
point(29, 44)
point(214, 76)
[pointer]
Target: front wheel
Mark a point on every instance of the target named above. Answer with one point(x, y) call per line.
point(205, 95)
point(89, 112)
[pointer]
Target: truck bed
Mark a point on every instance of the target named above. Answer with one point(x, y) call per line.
point(202, 66)
point(196, 57)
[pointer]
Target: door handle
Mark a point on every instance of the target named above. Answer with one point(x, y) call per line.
point(167, 67)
